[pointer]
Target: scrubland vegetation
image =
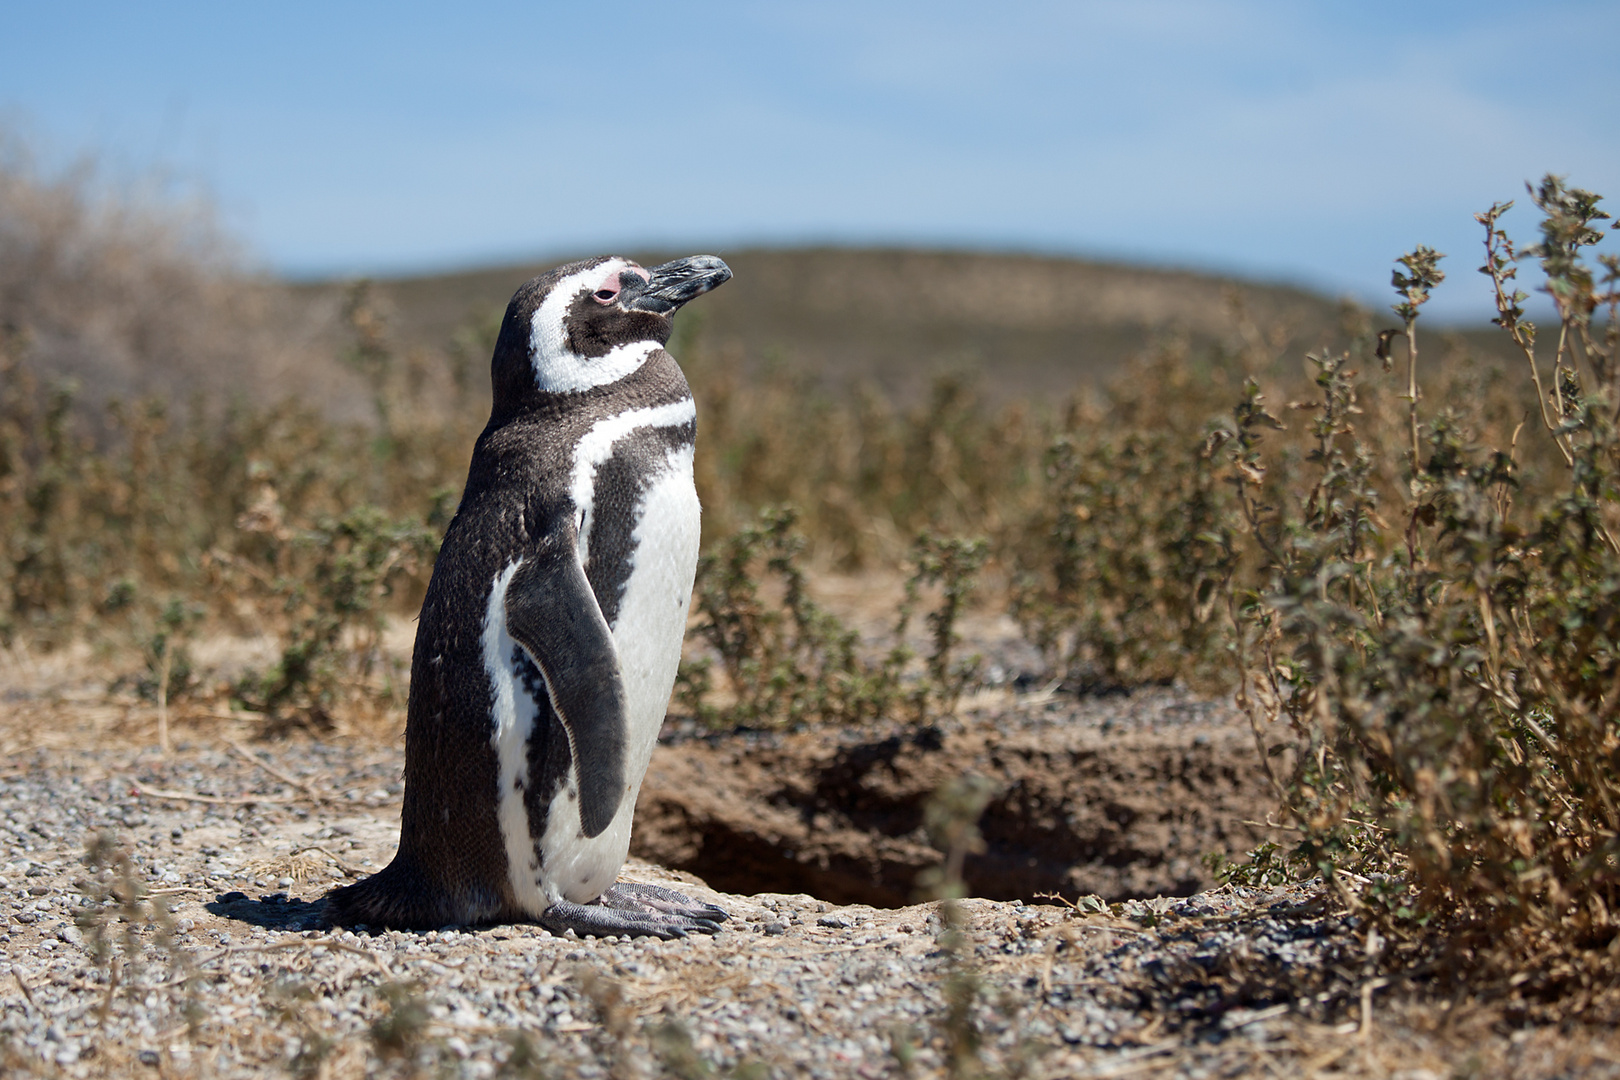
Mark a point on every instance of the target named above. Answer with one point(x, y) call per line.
point(1404, 562)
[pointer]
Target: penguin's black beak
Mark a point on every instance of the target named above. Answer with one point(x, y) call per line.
point(674, 283)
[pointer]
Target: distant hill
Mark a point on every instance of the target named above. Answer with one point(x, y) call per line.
point(1024, 324)
point(151, 300)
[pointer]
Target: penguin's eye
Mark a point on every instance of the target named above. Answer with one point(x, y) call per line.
point(608, 290)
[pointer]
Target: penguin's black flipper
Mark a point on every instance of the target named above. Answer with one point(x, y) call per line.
point(552, 612)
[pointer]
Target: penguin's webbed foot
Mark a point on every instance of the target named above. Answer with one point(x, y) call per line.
point(634, 910)
point(634, 896)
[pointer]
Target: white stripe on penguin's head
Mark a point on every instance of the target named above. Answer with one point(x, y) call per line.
point(557, 367)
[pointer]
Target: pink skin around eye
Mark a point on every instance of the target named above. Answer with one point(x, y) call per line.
point(608, 291)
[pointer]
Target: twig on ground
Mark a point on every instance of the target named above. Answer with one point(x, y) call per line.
point(1367, 990)
point(245, 755)
point(1326, 1058)
point(1131, 1061)
point(115, 972)
point(22, 984)
point(222, 800)
point(1044, 694)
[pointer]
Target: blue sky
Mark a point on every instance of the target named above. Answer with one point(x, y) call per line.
point(1286, 141)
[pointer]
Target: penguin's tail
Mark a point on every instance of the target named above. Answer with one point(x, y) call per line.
point(398, 897)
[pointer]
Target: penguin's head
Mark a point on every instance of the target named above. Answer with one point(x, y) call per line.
point(591, 323)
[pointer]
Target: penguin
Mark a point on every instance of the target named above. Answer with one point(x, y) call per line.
point(550, 634)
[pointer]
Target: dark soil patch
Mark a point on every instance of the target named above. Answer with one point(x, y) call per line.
point(1119, 796)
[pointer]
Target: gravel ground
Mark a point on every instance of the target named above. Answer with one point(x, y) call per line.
point(793, 983)
point(161, 917)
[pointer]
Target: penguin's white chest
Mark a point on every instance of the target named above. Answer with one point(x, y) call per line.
point(554, 859)
point(651, 622)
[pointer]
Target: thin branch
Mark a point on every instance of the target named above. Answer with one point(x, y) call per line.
point(219, 800)
point(291, 781)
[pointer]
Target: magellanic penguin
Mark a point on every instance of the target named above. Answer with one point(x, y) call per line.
point(552, 627)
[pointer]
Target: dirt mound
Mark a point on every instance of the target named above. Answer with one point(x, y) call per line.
point(1119, 796)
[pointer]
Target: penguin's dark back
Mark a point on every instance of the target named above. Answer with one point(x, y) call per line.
point(517, 499)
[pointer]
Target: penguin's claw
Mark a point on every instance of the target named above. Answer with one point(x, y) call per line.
point(633, 910)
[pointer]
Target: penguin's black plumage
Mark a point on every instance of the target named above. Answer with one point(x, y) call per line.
point(549, 638)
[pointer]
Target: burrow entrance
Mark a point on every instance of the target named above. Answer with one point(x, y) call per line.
point(1119, 797)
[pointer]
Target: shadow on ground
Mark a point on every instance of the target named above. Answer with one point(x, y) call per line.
point(273, 911)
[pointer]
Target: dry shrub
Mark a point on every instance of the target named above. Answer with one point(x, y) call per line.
point(1435, 621)
point(122, 289)
point(118, 513)
point(784, 660)
point(1120, 563)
